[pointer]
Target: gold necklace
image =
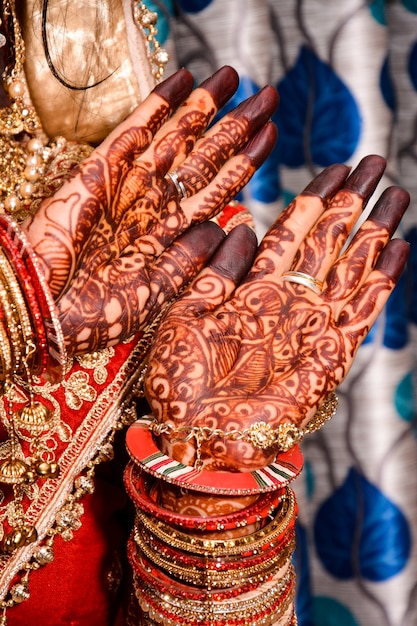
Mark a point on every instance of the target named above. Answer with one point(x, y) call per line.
point(21, 161)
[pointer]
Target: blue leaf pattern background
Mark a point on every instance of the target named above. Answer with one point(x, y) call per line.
point(347, 76)
point(358, 512)
point(314, 97)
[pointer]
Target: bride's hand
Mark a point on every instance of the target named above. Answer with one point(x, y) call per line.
point(273, 349)
point(122, 237)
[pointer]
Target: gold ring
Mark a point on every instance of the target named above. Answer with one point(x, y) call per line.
point(304, 279)
point(178, 184)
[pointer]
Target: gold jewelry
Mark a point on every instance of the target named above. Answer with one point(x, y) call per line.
point(146, 20)
point(223, 547)
point(12, 284)
point(217, 579)
point(274, 600)
point(260, 435)
point(20, 165)
point(304, 279)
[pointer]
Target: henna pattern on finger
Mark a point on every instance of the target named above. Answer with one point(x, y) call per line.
point(329, 234)
point(213, 151)
point(349, 272)
point(107, 229)
point(181, 140)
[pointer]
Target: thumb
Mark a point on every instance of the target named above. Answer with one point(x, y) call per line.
point(217, 281)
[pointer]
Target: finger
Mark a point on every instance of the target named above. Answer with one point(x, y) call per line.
point(280, 244)
point(231, 178)
point(178, 265)
point(215, 283)
point(177, 137)
point(350, 272)
point(135, 134)
point(361, 312)
point(322, 246)
point(225, 139)
point(174, 220)
point(115, 153)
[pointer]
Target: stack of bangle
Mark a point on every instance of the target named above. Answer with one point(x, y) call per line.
point(272, 602)
point(185, 577)
point(31, 338)
point(141, 488)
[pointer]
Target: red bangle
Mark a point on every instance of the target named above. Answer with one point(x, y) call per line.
point(139, 488)
point(57, 359)
point(30, 295)
point(161, 608)
point(270, 551)
point(145, 453)
point(156, 578)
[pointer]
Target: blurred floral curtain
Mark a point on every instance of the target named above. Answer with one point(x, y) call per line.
point(347, 76)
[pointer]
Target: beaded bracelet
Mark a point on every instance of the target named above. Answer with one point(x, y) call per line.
point(260, 435)
point(263, 613)
point(30, 299)
point(12, 325)
point(235, 575)
point(10, 283)
point(139, 488)
point(159, 580)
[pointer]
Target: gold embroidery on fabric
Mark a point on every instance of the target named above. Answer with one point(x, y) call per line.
point(97, 361)
point(78, 390)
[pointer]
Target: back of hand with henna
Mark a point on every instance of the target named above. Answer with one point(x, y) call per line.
point(258, 345)
point(123, 236)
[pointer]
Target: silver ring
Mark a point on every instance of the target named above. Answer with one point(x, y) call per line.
point(304, 279)
point(178, 184)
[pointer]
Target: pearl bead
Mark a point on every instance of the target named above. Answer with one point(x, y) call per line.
point(34, 160)
point(31, 173)
point(16, 89)
point(34, 145)
point(12, 203)
point(26, 189)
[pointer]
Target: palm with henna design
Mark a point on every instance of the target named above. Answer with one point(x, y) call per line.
point(117, 241)
point(272, 350)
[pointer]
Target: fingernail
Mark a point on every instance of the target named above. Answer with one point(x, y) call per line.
point(221, 85)
point(176, 88)
point(203, 239)
point(261, 145)
point(390, 208)
point(393, 258)
point(235, 256)
point(328, 182)
point(365, 177)
point(260, 106)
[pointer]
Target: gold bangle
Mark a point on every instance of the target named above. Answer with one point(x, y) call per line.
point(228, 547)
point(218, 612)
point(260, 435)
point(208, 577)
point(18, 298)
point(10, 320)
point(5, 354)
